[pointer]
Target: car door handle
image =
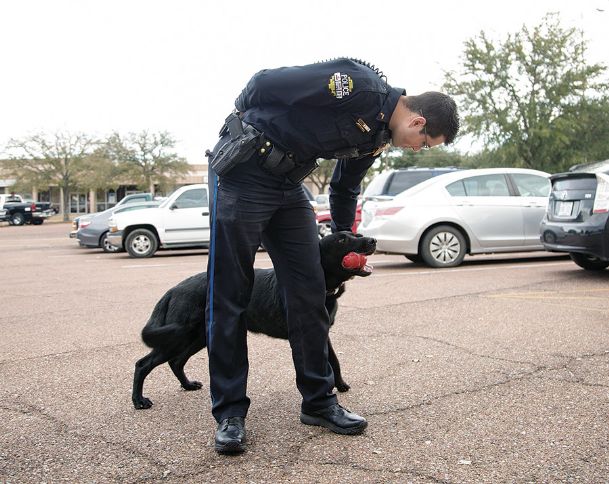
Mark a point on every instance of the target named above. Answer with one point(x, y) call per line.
point(205, 212)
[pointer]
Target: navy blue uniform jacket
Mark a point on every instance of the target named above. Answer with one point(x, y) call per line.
point(319, 110)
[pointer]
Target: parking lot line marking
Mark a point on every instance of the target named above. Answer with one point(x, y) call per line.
point(477, 269)
point(147, 265)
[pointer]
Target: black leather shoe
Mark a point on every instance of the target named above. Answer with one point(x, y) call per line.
point(337, 419)
point(230, 436)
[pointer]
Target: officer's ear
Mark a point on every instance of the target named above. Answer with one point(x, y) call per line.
point(417, 121)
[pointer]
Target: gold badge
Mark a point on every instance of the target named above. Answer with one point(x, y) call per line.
point(362, 125)
point(340, 85)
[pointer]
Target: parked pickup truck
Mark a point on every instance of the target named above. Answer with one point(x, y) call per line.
point(17, 211)
point(182, 220)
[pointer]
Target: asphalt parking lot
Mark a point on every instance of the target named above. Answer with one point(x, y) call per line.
point(495, 371)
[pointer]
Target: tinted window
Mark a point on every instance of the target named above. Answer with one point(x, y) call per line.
point(486, 186)
point(192, 199)
point(588, 183)
point(403, 180)
point(531, 185)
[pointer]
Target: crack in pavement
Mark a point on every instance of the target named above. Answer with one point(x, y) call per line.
point(70, 352)
point(63, 429)
point(468, 351)
point(577, 381)
point(406, 472)
point(522, 376)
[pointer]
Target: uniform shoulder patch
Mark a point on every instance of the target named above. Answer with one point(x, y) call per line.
point(340, 85)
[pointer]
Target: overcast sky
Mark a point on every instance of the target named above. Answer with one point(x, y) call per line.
point(99, 66)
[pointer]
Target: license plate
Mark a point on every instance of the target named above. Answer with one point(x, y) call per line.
point(564, 209)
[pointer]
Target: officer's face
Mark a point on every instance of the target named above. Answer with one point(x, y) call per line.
point(410, 133)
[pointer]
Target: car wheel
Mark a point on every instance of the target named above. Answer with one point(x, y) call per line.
point(417, 259)
point(107, 246)
point(17, 219)
point(589, 262)
point(443, 246)
point(37, 222)
point(324, 229)
point(141, 243)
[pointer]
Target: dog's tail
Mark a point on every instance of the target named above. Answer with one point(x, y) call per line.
point(157, 332)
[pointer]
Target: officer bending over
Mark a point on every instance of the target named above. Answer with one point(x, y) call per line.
point(285, 119)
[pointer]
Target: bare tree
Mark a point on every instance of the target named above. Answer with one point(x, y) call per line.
point(323, 175)
point(148, 157)
point(41, 160)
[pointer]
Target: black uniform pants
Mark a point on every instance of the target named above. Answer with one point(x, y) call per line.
point(252, 206)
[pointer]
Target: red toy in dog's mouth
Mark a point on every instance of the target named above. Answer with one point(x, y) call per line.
point(353, 261)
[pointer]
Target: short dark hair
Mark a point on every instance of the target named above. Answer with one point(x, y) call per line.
point(440, 112)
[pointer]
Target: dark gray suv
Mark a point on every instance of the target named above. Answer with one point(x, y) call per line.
point(577, 219)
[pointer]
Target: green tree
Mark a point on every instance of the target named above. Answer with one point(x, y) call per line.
point(148, 158)
point(405, 158)
point(525, 97)
point(40, 161)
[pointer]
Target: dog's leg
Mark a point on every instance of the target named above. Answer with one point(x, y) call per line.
point(142, 368)
point(177, 366)
point(340, 384)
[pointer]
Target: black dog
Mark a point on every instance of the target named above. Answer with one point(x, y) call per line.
point(176, 329)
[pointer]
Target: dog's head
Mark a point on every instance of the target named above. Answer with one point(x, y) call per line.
point(343, 257)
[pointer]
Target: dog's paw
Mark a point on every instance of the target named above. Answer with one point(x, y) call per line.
point(192, 385)
point(342, 386)
point(142, 403)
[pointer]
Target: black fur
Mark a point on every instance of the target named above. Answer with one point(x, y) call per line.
point(176, 328)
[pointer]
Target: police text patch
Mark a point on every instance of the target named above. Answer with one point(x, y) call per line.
point(340, 85)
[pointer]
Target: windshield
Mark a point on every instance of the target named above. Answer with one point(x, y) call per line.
point(165, 202)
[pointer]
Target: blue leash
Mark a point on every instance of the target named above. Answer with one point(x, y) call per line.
point(213, 182)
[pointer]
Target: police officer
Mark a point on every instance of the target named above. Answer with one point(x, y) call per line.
point(341, 109)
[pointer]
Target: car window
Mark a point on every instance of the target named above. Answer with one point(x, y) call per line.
point(480, 186)
point(531, 185)
point(456, 189)
point(588, 183)
point(131, 207)
point(376, 185)
point(403, 180)
point(192, 199)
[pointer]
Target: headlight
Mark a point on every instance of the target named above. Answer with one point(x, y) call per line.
point(112, 225)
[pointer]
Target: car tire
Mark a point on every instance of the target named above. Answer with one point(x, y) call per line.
point(141, 243)
point(324, 228)
point(443, 246)
point(37, 222)
point(589, 262)
point(107, 246)
point(416, 258)
point(17, 219)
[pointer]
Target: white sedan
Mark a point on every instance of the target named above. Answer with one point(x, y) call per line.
point(444, 218)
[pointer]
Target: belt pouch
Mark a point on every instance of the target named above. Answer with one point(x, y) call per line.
point(235, 151)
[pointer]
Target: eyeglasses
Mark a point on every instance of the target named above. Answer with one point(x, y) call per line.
point(425, 145)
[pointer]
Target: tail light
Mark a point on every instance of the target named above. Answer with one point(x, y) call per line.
point(385, 212)
point(33, 207)
point(601, 200)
